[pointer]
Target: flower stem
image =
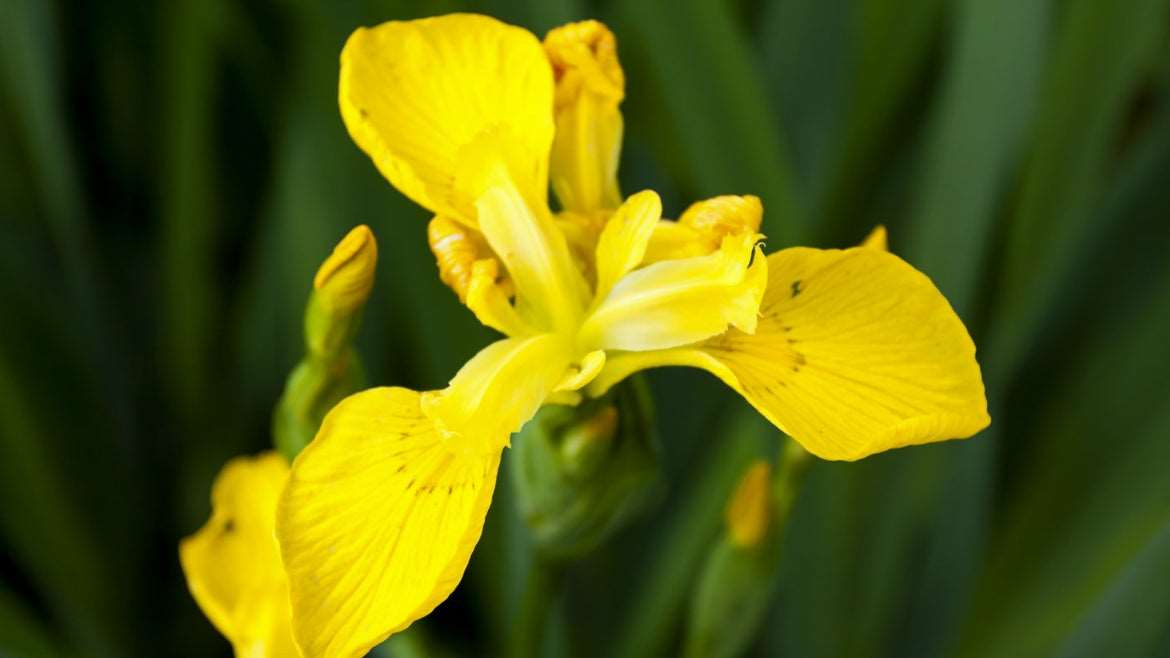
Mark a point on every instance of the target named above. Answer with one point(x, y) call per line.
point(544, 584)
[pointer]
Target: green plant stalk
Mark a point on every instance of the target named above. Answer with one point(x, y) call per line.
point(545, 584)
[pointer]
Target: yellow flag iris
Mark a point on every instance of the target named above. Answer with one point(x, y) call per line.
point(850, 352)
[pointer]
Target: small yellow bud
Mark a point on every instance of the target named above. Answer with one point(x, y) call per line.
point(344, 281)
point(876, 239)
point(749, 514)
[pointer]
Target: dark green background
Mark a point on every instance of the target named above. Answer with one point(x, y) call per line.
point(172, 173)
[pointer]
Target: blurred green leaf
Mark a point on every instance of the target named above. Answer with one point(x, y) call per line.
point(1102, 54)
point(891, 47)
point(21, 634)
point(655, 608)
point(706, 87)
point(47, 531)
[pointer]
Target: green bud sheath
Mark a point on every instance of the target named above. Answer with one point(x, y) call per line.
point(580, 472)
point(736, 584)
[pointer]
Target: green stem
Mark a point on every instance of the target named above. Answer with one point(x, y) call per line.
point(545, 581)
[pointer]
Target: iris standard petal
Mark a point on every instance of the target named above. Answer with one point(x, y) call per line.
point(590, 86)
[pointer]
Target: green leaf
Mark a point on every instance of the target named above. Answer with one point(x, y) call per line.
point(894, 44)
point(703, 90)
point(1103, 52)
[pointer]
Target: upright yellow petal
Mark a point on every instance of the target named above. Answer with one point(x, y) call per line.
point(377, 522)
point(856, 352)
point(551, 292)
point(589, 87)
point(498, 390)
point(676, 302)
point(233, 564)
point(414, 94)
point(623, 240)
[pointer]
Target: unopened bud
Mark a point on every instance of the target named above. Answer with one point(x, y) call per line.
point(345, 279)
point(330, 369)
point(580, 472)
point(749, 513)
point(736, 584)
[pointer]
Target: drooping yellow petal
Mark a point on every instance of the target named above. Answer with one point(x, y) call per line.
point(233, 564)
point(623, 241)
point(589, 87)
point(498, 390)
point(855, 353)
point(377, 522)
point(414, 94)
point(677, 302)
point(551, 292)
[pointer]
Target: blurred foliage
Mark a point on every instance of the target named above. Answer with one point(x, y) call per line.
point(172, 173)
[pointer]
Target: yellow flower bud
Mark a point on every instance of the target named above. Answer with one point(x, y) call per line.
point(344, 281)
point(749, 514)
point(588, 138)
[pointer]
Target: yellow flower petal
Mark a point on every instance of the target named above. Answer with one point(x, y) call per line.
point(498, 390)
point(623, 241)
point(551, 293)
point(414, 94)
point(377, 522)
point(676, 302)
point(582, 372)
point(233, 564)
point(487, 298)
point(590, 86)
point(702, 227)
point(856, 352)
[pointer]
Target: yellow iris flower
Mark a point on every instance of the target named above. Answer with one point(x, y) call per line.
point(850, 352)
